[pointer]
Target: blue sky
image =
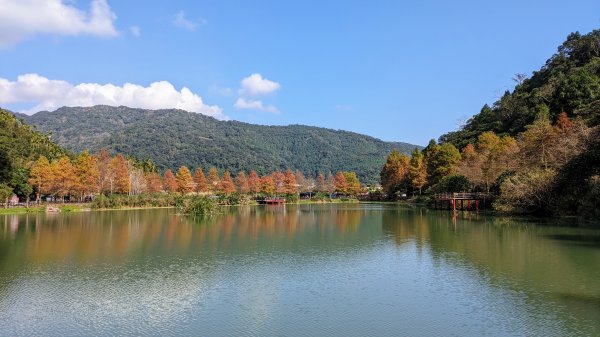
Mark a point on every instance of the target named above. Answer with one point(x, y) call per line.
point(394, 70)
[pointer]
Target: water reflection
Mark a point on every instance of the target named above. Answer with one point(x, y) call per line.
point(115, 235)
point(157, 272)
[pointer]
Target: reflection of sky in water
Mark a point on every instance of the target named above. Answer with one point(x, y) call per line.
point(347, 270)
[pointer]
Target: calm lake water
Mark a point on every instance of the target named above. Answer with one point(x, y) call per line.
point(311, 270)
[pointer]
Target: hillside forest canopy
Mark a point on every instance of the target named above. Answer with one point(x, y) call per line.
point(173, 138)
point(536, 149)
point(34, 167)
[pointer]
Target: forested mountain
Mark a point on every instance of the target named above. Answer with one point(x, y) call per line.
point(552, 165)
point(20, 144)
point(172, 138)
point(568, 82)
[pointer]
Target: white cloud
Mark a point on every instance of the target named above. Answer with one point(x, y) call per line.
point(136, 31)
point(22, 19)
point(252, 104)
point(48, 94)
point(181, 22)
point(255, 84)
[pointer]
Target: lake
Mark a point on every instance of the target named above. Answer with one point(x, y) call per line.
point(306, 270)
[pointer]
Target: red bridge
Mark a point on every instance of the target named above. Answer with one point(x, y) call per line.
point(461, 200)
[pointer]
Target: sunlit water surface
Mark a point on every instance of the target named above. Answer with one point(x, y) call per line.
point(314, 270)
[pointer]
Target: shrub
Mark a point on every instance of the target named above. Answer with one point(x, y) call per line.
point(198, 206)
point(526, 192)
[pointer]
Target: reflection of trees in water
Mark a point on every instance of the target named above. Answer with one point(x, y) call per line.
point(518, 253)
point(115, 235)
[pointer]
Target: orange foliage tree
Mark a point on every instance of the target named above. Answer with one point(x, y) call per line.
point(340, 183)
point(242, 182)
point(267, 185)
point(40, 177)
point(227, 185)
point(105, 174)
point(253, 182)
point(394, 172)
point(169, 182)
point(87, 173)
point(352, 183)
point(118, 166)
point(185, 182)
point(213, 179)
point(65, 179)
point(153, 182)
point(278, 181)
point(200, 180)
point(289, 183)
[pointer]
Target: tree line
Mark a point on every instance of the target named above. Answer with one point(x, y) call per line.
point(85, 175)
point(520, 170)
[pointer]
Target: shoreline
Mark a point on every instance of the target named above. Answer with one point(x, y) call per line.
point(87, 207)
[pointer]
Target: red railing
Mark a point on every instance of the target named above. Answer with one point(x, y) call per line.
point(460, 196)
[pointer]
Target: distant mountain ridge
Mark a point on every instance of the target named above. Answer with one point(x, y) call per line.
point(172, 137)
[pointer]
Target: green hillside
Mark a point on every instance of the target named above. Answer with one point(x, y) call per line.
point(172, 138)
point(568, 82)
point(554, 116)
point(20, 145)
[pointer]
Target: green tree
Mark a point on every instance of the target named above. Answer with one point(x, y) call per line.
point(5, 193)
point(441, 161)
point(19, 183)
